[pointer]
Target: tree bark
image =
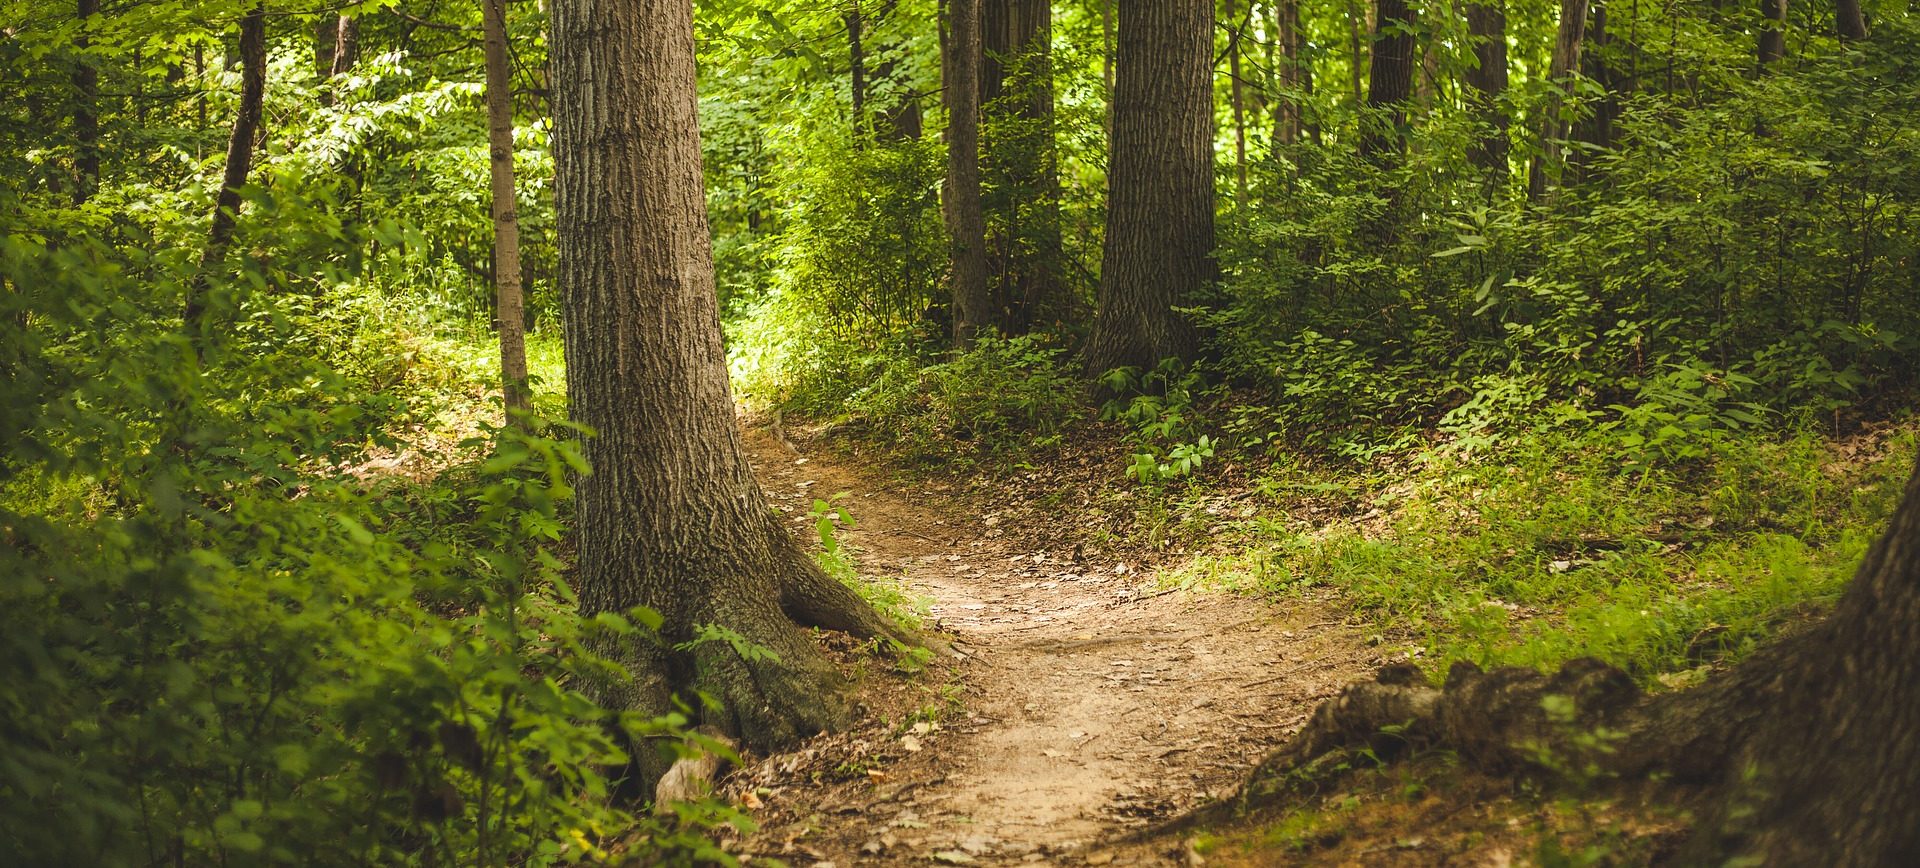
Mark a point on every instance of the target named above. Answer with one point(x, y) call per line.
point(1160, 234)
point(966, 224)
point(346, 45)
point(857, 71)
point(1287, 121)
point(1809, 749)
point(1852, 25)
point(509, 300)
point(1356, 26)
point(1390, 81)
point(1487, 86)
point(671, 517)
point(246, 126)
point(1020, 165)
point(86, 117)
point(1566, 59)
point(1596, 130)
point(1772, 46)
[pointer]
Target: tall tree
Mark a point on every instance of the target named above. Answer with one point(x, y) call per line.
point(1286, 106)
point(1552, 129)
point(1390, 81)
point(857, 68)
point(1772, 45)
point(246, 127)
point(1236, 29)
point(509, 301)
point(671, 517)
point(1020, 163)
point(1160, 234)
point(1595, 130)
point(966, 224)
point(1487, 85)
point(1851, 25)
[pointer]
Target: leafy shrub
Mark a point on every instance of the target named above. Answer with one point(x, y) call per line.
point(1005, 393)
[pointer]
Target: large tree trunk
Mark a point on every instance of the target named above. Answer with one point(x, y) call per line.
point(1552, 130)
point(1020, 164)
point(510, 305)
point(671, 516)
point(1159, 244)
point(1487, 86)
point(1809, 749)
point(1772, 45)
point(246, 126)
point(1851, 25)
point(966, 224)
point(1390, 81)
point(1596, 130)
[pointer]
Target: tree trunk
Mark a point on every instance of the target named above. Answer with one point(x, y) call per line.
point(1487, 86)
point(1596, 130)
point(1390, 80)
point(1810, 749)
point(510, 306)
point(1020, 164)
point(1355, 66)
point(1772, 45)
point(857, 72)
point(86, 117)
point(346, 45)
point(671, 517)
point(1566, 59)
point(966, 224)
point(1159, 244)
point(246, 126)
point(1851, 25)
point(1287, 122)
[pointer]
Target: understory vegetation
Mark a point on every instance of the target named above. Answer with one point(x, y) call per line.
point(283, 581)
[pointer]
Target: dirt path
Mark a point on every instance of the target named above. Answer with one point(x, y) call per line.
point(1091, 703)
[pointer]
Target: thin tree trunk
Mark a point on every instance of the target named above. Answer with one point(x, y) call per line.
point(966, 224)
point(1355, 65)
point(1391, 80)
point(671, 517)
point(1487, 86)
point(857, 71)
point(1566, 59)
point(86, 118)
point(1287, 122)
point(246, 126)
point(1772, 46)
point(1160, 203)
point(1595, 132)
point(346, 45)
point(510, 305)
point(1851, 25)
point(1239, 115)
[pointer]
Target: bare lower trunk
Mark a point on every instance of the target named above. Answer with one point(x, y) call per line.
point(1160, 234)
point(1287, 122)
point(966, 224)
point(1851, 25)
point(1772, 47)
point(671, 517)
point(246, 126)
point(1390, 82)
point(1809, 749)
point(1552, 130)
point(509, 307)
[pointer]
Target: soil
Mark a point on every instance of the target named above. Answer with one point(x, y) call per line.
point(1078, 702)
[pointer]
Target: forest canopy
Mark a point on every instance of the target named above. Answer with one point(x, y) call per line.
point(372, 492)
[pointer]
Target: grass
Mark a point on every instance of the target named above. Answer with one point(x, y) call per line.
point(1550, 550)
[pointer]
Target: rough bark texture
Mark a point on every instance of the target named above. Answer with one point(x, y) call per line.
point(510, 305)
point(1852, 25)
point(346, 44)
point(86, 117)
point(966, 224)
point(1809, 749)
point(671, 516)
point(246, 126)
point(1487, 85)
point(1596, 130)
point(1772, 45)
point(1159, 244)
point(857, 70)
point(1390, 81)
point(1552, 131)
point(1020, 165)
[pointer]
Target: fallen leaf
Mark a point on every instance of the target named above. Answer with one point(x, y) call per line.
point(952, 857)
point(910, 743)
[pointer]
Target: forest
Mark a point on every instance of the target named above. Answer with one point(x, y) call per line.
point(964, 432)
